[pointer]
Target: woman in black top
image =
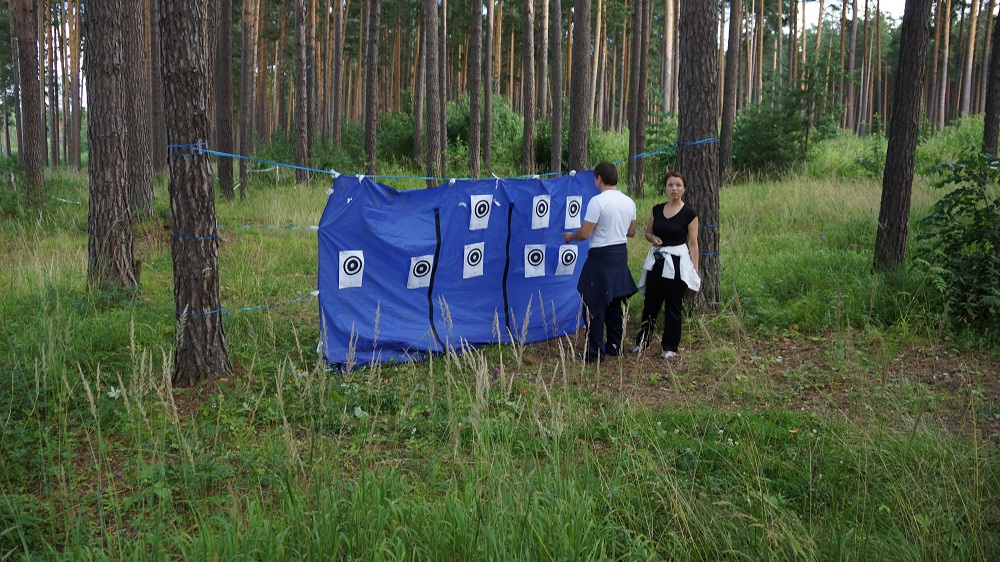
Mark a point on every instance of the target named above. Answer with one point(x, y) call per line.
point(673, 231)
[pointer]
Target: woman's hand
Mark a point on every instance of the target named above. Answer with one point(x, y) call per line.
point(654, 240)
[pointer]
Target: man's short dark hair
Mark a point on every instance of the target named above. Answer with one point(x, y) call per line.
point(607, 172)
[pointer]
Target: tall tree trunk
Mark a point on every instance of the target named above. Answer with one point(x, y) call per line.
point(419, 91)
point(32, 142)
point(54, 91)
point(109, 222)
point(475, 66)
point(224, 96)
point(40, 63)
point(729, 93)
point(528, 87)
point(555, 62)
point(942, 97)
point(433, 93)
point(445, 82)
point(488, 90)
point(851, 88)
point(579, 113)
point(301, 93)
point(599, 45)
point(991, 121)
point(987, 50)
point(897, 180)
point(312, 91)
point(337, 110)
point(970, 56)
point(697, 120)
point(667, 55)
point(543, 66)
point(200, 341)
point(158, 138)
point(371, 84)
point(18, 100)
point(136, 89)
point(634, 99)
point(247, 91)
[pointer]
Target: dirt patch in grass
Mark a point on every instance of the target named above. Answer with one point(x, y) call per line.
point(836, 375)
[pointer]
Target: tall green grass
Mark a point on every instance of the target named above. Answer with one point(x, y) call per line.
point(495, 454)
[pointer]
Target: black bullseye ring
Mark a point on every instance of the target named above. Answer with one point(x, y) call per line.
point(482, 209)
point(352, 265)
point(421, 268)
point(568, 257)
point(535, 257)
point(475, 257)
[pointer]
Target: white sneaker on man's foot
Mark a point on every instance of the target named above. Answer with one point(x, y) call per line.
point(634, 349)
point(668, 354)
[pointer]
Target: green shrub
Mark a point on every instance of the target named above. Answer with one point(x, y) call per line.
point(950, 144)
point(960, 240)
point(10, 199)
point(774, 136)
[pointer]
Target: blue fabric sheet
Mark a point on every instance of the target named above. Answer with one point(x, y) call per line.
point(407, 273)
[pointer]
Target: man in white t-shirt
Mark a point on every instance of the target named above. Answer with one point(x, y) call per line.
point(605, 280)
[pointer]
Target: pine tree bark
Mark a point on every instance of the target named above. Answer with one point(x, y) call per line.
point(579, 111)
point(897, 180)
point(445, 83)
point(136, 83)
point(475, 66)
point(248, 91)
point(109, 222)
point(528, 87)
point(371, 84)
point(301, 93)
point(729, 92)
point(488, 90)
point(543, 66)
point(338, 72)
point(224, 96)
point(970, 55)
point(158, 136)
point(312, 92)
point(419, 92)
point(53, 92)
point(697, 121)
point(200, 340)
point(942, 96)
point(433, 92)
point(635, 99)
point(991, 121)
point(987, 52)
point(851, 88)
point(32, 141)
point(555, 62)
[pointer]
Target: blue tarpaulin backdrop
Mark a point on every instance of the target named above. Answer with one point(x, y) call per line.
point(406, 273)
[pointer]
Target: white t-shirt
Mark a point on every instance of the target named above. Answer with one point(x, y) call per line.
point(612, 212)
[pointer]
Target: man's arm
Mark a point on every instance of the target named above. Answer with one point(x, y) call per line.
point(582, 233)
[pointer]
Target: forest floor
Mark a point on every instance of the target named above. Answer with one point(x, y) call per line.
point(845, 376)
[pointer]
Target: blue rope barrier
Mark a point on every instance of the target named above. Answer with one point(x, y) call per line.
point(194, 238)
point(197, 314)
point(267, 227)
point(246, 308)
point(198, 148)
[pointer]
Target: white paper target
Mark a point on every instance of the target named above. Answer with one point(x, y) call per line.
point(352, 268)
point(540, 206)
point(567, 259)
point(479, 218)
point(420, 272)
point(534, 260)
point(574, 211)
point(474, 257)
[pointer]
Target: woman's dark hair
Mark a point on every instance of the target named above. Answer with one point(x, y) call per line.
point(675, 174)
point(607, 172)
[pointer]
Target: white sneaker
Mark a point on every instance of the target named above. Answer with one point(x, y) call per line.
point(668, 354)
point(635, 349)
